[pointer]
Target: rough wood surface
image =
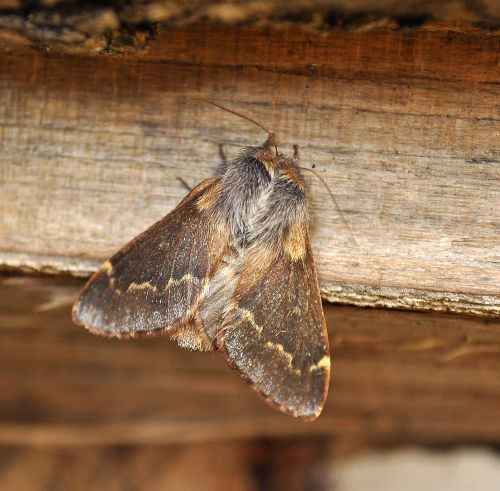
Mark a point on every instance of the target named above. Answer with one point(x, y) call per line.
point(403, 127)
point(129, 25)
point(397, 377)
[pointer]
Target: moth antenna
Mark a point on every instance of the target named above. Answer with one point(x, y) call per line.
point(184, 183)
point(236, 113)
point(222, 154)
point(346, 223)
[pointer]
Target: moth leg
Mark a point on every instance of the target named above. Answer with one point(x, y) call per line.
point(296, 151)
point(184, 183)
point(222, 154)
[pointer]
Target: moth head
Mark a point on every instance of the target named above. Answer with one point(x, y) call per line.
point(289, 171)
point(268, 154)
point(286, 168)
point(271, 145)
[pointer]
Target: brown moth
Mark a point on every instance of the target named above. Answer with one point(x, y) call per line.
point(229, 269)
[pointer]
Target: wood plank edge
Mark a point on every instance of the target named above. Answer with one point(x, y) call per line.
point(412, 299)
point(60, 435)
point(13, 262)
point(146, 433)
point(349, 294)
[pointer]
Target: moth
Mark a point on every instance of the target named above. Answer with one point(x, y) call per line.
point(229, 269)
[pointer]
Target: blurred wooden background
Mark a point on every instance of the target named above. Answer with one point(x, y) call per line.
point(114, 412)
point(397, 377)
point(397, 109)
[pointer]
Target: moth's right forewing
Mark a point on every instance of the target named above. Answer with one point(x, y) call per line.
point(156, 281)
point(264, 308)
point(274, 332)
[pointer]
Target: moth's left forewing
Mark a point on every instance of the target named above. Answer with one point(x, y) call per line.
point(153, 285)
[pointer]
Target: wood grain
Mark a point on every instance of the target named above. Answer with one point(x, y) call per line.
point(403, 126)
point(397, 377)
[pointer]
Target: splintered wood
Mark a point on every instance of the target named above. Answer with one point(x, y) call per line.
point(403, 126)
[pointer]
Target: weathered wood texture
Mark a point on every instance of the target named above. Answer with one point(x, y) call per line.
point(397, 377)
point(129, 25)
point(403, 127)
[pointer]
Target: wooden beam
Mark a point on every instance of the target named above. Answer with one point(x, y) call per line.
point(397, 377)
point(403, 126)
